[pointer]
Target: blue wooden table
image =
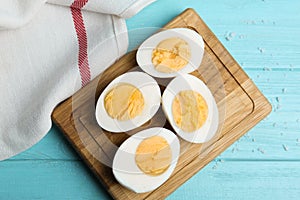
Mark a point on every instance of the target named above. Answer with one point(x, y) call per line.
point(264, 37)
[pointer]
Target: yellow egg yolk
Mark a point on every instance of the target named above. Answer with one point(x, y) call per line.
point(124, 102)
point(153, 155)
point(189, 110)
point(171, 55)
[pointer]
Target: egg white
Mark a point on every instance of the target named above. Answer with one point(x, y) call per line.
point(195, 41)
point(128, 173)
point(152, 97)
point(190, 82)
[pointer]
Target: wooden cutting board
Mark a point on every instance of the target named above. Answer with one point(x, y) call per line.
point(241, 106)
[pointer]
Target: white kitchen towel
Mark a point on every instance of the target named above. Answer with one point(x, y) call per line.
point(45, 48)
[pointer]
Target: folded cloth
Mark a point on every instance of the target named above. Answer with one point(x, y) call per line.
point(49, 50)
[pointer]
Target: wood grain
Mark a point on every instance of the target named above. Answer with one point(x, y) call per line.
point(240, 104)
point(230, 180)
point(243, 172)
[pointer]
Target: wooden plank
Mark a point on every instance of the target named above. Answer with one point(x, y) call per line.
point(243, 180)
point(50, 180)
point(240, 104)
point(47, 180)
point(278, 136)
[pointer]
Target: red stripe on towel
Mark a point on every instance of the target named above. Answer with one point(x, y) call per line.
point(83, 62)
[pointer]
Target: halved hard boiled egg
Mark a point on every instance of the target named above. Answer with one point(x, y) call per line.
point(147, 159)
point(171, 53)
point(128, 102)
point(191, 109)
